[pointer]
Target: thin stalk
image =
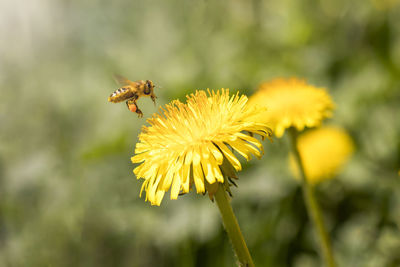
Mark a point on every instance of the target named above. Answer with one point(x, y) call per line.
point(312, 206)
point(232, 228)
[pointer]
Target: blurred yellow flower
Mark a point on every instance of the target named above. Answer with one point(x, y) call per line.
point(186, 143)
point(323, 152)
point(385, 4)
point(291, 103)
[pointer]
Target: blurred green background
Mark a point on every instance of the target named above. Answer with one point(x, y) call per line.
point(68, 196)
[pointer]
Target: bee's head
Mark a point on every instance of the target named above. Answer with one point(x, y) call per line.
point(148, 87)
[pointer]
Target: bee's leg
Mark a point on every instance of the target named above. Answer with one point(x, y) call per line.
point(153, 97)
point(139, 112)
point(132, 106)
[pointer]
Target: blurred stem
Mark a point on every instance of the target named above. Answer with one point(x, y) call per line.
point(232, 227)
point(312, 205)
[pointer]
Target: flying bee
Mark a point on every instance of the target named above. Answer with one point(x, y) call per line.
point(131, 92)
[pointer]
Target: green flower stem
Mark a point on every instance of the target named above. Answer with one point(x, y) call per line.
point(232, 227)
point(312, 205)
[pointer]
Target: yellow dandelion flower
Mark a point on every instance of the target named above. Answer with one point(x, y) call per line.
point(323, 152)
point(291, 103)
point(187, 143)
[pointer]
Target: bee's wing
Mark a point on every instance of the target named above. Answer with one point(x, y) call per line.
point(121, 80)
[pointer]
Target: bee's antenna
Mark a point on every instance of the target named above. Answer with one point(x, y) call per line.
point(157, 85)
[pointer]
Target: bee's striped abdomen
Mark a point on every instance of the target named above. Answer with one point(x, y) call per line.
point(121, 94)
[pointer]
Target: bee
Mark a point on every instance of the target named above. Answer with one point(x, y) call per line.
point(131, 92)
